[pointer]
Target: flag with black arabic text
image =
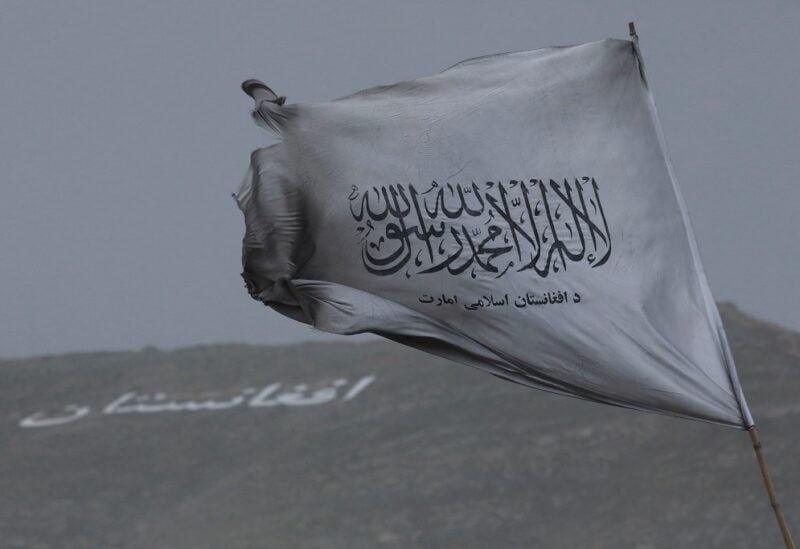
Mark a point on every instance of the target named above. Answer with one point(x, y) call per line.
point(516, 213)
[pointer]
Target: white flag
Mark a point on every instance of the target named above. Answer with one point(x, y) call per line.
point(517, 213)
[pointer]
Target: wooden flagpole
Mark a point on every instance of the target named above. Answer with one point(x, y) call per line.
point(762, 463)
point(773, 498)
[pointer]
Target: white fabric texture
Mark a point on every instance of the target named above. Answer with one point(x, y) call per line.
point(516, 213)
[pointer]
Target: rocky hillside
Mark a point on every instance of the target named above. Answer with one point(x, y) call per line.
point(375, 445)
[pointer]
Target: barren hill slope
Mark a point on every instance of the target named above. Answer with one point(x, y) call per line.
point(375, 445)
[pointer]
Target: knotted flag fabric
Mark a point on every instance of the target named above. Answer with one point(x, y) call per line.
point(516, 213)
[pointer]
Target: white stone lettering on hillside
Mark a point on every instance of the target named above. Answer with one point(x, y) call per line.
point(274, 394)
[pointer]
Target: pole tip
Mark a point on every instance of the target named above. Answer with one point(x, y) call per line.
point(631, 28)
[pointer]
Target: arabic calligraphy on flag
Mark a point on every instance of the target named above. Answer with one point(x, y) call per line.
point(520, 225)
point(516, 213)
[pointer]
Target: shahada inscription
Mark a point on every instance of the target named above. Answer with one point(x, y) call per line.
point(494, 227)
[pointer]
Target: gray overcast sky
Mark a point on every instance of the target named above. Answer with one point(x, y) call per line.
point(123, 133)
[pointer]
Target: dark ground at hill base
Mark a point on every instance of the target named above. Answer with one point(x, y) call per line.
point(432, 454)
